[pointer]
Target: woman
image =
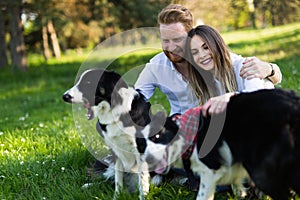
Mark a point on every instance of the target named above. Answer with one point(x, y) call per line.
point(211, 72)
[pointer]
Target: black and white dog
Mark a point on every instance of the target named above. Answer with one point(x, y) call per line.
point(259, 138)
point(122, 113)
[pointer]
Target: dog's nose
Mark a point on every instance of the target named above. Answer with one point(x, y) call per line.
point(67, 98)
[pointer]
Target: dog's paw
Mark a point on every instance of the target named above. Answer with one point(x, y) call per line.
point(157, 180)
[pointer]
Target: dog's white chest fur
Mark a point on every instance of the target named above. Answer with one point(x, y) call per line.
point(119, 138)
point(114, 103)
point(122, 142)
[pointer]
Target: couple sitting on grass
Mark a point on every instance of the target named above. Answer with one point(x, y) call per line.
point(196, 67)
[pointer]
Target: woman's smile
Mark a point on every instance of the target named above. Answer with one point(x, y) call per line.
point(201, 53)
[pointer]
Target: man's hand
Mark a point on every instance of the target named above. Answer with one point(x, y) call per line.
point(216, 105)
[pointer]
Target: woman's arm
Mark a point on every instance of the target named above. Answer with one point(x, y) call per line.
point(218, 104)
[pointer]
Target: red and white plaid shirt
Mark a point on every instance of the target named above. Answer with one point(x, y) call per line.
point(189, 124)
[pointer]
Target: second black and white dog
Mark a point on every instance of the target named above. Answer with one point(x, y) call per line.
point(260, 139)
point(122, 112)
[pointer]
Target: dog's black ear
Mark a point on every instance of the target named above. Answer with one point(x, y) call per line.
point(157, 122)
point(120, 82)
point(163, 129)
point(158, 119)
point(172, 125)
point(159, 116)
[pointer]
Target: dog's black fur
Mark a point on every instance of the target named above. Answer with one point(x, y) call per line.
point(262, 131)
point(98, 85)
point(106, 96)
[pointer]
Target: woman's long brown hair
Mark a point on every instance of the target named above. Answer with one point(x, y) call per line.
point(201, 81)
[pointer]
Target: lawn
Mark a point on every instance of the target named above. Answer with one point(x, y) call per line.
point(43, 154)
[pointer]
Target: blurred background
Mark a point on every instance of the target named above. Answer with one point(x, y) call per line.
point(44, 151)
point(51, 27)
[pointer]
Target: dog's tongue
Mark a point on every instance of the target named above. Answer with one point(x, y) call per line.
point(161, 168)
point(90, 113)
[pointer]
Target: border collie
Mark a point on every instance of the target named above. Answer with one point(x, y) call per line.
point(122, 112)
point(259, 138)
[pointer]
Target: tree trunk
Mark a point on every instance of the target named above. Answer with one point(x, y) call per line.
point(47, 53)
point(55, 43)
point(17, 45)
point(3, 55)
point(273, 13)
point(252, 13)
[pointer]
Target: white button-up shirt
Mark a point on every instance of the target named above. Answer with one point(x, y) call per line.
point(160, 72)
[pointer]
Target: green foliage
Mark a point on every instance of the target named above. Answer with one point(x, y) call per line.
point(241, 14)
point(239, 10)
point(139, 13)
point(277, 12)
point(41, 153)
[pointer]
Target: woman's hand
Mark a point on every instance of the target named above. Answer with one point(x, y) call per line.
point(216, 105)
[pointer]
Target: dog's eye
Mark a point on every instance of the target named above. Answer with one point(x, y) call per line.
point(157, 136)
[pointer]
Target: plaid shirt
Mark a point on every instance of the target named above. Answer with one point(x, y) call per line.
point(189, 124)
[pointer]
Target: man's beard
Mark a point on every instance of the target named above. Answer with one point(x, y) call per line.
point(174, 57)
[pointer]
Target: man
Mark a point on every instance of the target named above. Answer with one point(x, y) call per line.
point(168, 70)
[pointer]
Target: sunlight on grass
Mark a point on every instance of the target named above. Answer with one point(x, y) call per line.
point(260, 34)
point(268, 44)
point(26, 89)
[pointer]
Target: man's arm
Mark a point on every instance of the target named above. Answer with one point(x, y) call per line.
point(277, 77)
point(255, 68)
point(145, 83)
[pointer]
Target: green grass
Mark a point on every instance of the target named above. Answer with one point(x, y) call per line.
point(42, 155)
point(280, 45)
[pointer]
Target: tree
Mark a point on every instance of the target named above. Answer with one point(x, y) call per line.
point(17, 45)
point(47, 52)
point(132, 14)
point(69, 24)
point(241, 14)
point(3, 55)
point(45, 12)
point(210, 12)
point(252, 13)
point(277, 12)
point(54, 39)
